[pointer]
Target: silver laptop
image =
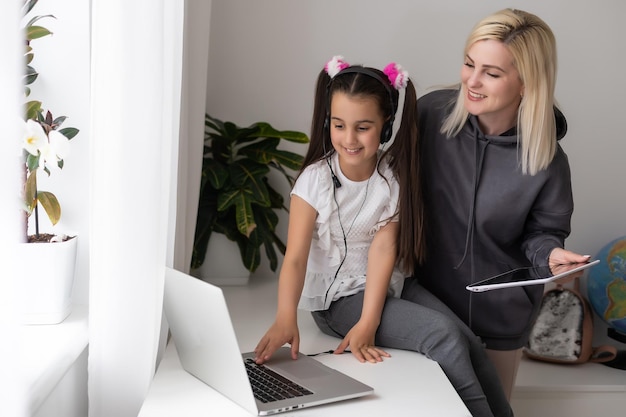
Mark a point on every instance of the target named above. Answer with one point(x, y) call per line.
point(207, 346)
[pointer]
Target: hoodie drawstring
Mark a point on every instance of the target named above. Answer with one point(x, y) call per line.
point(479, 156)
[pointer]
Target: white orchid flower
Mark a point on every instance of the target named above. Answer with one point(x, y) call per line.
point(34, 138)
point(55, 150)
point(59, 144)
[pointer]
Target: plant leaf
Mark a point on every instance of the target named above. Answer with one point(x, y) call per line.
point(28, 6)
point(214, 173)
point(69, 132)
point(227, 225)
point(31, 75)
point(270, 253)
point(249, 175)
point(291, 160)
point(32, 163)
point(59, 120)
point(220, 148)
point(204, 226)
point(31, 78)
point(50, 203)
point(266, 152)
point(215, 124)
point(48, 119)
point(251, 255)
point(243, 209)
point(32, 109)
point(30, 192)
point(36, 32)
point(266, 130)
point(266, 225)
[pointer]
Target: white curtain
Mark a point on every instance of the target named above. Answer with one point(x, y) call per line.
point(136, 95)
point(12, 398)
point(191, 141)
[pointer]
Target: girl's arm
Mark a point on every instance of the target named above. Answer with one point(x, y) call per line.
point(381, 261)
point(290, 283)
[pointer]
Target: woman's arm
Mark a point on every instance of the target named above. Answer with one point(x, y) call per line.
point(290, 283)
point(548, 223)
point(381, 261)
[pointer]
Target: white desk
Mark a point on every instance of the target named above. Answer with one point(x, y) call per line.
point(405, 384)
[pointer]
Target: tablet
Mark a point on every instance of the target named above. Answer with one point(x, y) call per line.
point(532, 275)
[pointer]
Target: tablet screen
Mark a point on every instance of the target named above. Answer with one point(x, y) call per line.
point(519, 274)
point(533, 275)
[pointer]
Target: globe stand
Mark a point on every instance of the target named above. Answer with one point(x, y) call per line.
point(620, 359)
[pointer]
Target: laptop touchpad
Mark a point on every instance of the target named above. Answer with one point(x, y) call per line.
point(301, 370)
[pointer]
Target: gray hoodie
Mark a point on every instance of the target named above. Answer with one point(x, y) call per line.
point(485, 217)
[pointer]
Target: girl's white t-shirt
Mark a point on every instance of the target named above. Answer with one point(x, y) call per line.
point(356, 210)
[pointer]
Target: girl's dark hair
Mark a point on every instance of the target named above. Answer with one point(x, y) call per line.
point(402, 152)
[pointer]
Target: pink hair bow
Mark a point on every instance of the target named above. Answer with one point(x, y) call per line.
point(335, 65)
point(397, 76)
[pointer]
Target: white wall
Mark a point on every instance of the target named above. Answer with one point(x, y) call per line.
point(264, 58)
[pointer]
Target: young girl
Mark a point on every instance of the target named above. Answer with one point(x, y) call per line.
point(347, 255)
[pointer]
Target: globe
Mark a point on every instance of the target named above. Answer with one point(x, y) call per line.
point(606, 285)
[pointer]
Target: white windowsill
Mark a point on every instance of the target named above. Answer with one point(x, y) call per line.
point(49, 351)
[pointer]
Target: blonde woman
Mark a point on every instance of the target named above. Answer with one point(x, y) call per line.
point(497, 186)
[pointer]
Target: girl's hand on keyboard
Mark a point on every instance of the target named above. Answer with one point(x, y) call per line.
point(277, 335)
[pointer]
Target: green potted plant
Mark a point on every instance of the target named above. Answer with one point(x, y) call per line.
point(47, 282)
point(237, 197)
point(45, 143)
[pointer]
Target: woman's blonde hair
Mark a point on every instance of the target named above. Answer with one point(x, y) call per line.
point(533, 46)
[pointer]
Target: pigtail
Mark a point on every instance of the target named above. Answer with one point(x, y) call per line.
point(406, 164)
point(319, 138)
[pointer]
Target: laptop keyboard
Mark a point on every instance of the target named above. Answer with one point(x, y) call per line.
point(269, 386)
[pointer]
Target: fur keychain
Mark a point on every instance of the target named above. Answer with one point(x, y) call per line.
point(563, 330)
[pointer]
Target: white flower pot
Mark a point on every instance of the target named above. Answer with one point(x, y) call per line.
point(222, 264)
point(47, 280)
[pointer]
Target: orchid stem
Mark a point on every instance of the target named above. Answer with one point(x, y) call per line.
point(37, 220)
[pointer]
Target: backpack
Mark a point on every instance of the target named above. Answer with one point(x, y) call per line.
point(563, 330)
